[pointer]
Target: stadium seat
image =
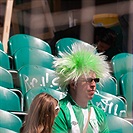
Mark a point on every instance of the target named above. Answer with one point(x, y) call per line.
point(32, 76)
point(9, 100)
point(30, 95)
point(63, 44)
point(126, 83)
point(119, 125)
point(109, 86)
point(23, 40)
point(5, 130)
point(4, 60)
point(110, 104)
point(6, 79)
point(1, 46)
point(121, 64)
point(10, 121)
point(32, 56)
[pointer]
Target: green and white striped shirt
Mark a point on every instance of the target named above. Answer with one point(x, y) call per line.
point(72, 118)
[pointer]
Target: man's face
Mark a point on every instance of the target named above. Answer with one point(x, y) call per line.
point(86, 86)
point(101, 46)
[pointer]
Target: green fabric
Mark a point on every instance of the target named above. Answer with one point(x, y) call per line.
point(62, 121)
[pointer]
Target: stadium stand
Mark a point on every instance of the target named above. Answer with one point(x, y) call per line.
point(118, 125)
point(121, 64)
point(5, 130)
point(32, 76)
point(29, 96)
point(9, 100)
point(32, 56)
point(64, 44)
point(10, 121)
point(126, 83)
point(110, 104)
point(18, 41)
point(1, 46)
point(109, 86)
point(5, 62)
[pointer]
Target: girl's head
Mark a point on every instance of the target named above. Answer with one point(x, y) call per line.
point(40, 118)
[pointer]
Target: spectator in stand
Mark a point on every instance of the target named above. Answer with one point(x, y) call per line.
point(44, 108)
point(106, 42)
point(78, 72)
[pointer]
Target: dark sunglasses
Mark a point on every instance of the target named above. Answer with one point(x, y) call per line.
point(91, 79)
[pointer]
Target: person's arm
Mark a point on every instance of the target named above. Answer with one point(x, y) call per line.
point(60, 123)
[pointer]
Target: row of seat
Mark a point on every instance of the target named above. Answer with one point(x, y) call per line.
point(34, 79)
point(30, 76)
point(109, 103)
point(18, 41)
point(26, 56)
point(32, 56)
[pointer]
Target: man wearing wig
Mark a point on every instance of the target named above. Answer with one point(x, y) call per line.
point(78, 72)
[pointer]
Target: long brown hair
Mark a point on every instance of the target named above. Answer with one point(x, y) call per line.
point(41, 115)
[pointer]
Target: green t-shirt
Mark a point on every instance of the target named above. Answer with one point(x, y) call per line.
point(65, 122)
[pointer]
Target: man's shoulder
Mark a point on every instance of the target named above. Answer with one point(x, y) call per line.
point(63, 102)
point(97, 109)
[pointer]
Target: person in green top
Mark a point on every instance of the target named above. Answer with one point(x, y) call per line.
point(78, 72)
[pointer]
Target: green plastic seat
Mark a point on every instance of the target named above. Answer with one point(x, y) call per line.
point(33, 56)
point(1, 46)
point(4, 60)
point(6, 79)
point(63, 44)
point(30, 95)
point(121, 64)
point(110, 104)
point(5, 130)
point(109, 86)
point(9, 100)
point(23, 40)
point(119, 125)
point(32, 76)
point(127, 89)
point(10, 121)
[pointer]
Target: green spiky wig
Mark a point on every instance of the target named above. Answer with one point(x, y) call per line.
point(81, 59)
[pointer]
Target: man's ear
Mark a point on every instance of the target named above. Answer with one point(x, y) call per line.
point(72, 84)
